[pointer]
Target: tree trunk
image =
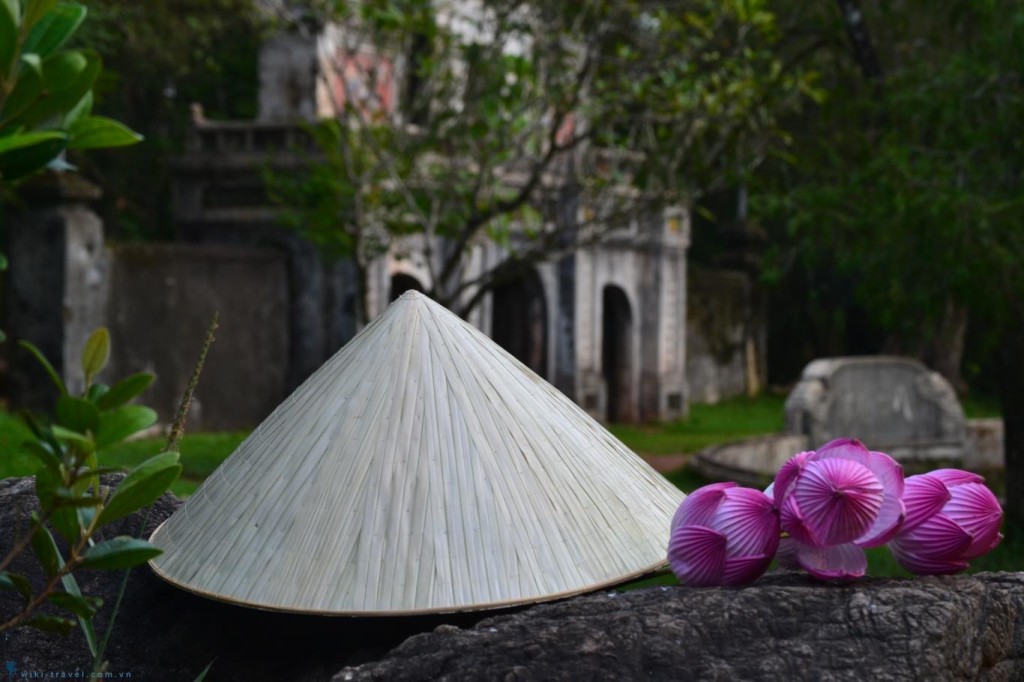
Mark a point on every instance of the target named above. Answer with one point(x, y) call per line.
point(860, 40)
point(1011, 398)
point(946, 353)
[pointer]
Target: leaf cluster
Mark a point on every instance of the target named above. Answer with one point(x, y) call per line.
point(909, 187)
point(46, 91)
point(74, 502)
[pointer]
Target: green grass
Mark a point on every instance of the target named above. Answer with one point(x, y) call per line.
point(14, 461)
point(729, 420)
point(201, 453)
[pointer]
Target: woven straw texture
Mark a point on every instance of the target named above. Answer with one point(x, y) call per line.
point(421, 469)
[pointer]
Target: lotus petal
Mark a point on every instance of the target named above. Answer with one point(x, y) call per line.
point(839, 499)
point(937, 539)
point(787, 474)
point(844, 448)
point(975, 509)
point(700, 507)
point(891, 514)
point(747, 518)
point(791, 519)
point(925, 565)
point(785, 555)
point(924, 496)
point(697, 556)
point(838, 562)
point(742, 570)
point(952, 477)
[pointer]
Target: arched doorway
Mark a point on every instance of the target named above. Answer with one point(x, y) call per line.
point(616, 354)
point(519, 321)
point(401, 283)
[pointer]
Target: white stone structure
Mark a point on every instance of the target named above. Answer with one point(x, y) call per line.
point(606, 325)
point(608, 322)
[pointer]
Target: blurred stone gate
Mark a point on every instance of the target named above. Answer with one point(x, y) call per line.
point(622, 328)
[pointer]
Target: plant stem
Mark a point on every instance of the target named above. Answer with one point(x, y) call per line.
point(51, 585)
point(177, 430)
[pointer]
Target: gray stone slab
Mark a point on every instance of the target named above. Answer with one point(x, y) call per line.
point(753, 461)
point(892, 404)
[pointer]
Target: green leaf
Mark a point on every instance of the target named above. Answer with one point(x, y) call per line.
point(85, 516)
point(95, 392)
point(46, 550)
point(8, 35)
point(18, 583)
point(54, 29)
point(47, 484)
point(77, 414)
point(60, 101)
point(95, 354)
point(27, 89)
point(66, 521)
point(62, 70)
point(80, 110)
point(202, 675)
point(125, 390)
point(42, 451)
point(38, 354)
point(48, 623)
point(93, 132)
point(22, 141)
point(81, 606)
point(71, 586)
point(80, 439)
point(116, 425)
point(142, 486)
point(3, 262)
point(20, 161)
point(34, 11)
point(99, 471)
point(120, 552)
point(72, 498)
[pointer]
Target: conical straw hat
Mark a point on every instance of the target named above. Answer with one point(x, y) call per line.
point(421, 469)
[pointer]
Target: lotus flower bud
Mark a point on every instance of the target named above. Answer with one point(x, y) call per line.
point(723, 534)
point(952, 517)
point(835, 501)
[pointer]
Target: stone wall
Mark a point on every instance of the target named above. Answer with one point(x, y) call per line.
point(157, 301)
point(725, 336)
point(162, 298)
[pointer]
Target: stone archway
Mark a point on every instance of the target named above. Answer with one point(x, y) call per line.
point(401, 283)
point(617, 355)
point(519, 321)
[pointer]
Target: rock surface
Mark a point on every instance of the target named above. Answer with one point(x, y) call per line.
point(784, 627)
point(163, 633)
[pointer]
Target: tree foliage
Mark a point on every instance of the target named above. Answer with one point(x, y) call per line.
point(161, 56)
point(46, 92)
point(906, 185)
point(910, 186)
point(460, 122)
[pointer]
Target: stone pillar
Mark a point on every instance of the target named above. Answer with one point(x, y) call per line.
point(289, 69)
point(57, 284)
point(566, 211)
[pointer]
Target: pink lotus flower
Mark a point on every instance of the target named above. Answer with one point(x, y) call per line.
point(723, 535)
point(952, 517)
point(834, 502)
